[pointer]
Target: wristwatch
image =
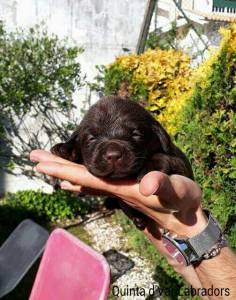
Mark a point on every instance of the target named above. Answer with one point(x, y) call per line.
point(205, 245)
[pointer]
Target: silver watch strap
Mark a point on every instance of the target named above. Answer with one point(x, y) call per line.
point(204, 241)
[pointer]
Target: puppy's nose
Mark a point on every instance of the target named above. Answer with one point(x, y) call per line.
point(113, 155)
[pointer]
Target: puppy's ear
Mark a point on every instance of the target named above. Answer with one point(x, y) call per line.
point(69, 150)
point(170, 160)
point(163, 137)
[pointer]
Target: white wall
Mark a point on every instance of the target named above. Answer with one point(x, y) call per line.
point(204, 6)
point(101, 27)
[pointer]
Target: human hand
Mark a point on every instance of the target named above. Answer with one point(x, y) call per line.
point(173, 202)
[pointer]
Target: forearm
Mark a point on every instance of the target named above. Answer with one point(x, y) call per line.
point(219, 274)
point(214, 278)
point(188, 273)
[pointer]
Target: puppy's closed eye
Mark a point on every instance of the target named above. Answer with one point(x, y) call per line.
point(137, 135)
point(91, 138)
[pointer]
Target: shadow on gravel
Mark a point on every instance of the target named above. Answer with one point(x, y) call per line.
point(119, 263)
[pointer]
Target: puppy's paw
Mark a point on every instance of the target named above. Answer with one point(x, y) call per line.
point(140, 222)
point(63, 150)
point(55, 182)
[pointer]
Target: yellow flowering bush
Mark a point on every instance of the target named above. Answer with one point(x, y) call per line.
point(163, 79)
point(160, 77)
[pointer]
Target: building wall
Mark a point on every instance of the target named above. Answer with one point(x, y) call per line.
point(204, 6)
point(101, 27)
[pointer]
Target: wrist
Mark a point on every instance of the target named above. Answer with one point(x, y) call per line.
point(193, 222)
point(199, 224)
point(196, 246)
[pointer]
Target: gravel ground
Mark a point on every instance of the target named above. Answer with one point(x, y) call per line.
point(106, 236)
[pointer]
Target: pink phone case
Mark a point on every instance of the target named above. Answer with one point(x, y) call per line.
point(70, 270)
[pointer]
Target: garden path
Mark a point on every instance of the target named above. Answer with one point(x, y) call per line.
point(106, 235)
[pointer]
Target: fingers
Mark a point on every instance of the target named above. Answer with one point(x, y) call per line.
point(187, 191)
point(79, 176)
point(75, 174)
point(150, 183)
point(158, 183)
point(66, 185)
point(175, 192)
point(39, 155)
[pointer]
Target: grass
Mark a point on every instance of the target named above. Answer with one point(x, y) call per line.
point(81, 234)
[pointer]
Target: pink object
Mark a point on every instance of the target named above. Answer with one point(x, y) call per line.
point(70, 270)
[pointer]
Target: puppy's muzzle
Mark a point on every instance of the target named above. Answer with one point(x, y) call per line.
point(114, 159)
point(113, 153)
point(110, 159)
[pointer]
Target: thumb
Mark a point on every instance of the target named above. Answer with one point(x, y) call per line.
point(158, 183)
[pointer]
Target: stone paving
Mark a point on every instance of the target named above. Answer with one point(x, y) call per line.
point(137, 281)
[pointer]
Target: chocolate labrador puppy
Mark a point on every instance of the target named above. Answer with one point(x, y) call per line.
point(119, 139)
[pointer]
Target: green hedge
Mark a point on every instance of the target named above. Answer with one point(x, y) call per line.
point(42, 207)
point(207, 133)
point(38, 75)
point(37, 70)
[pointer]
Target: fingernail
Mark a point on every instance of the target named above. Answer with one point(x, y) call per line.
point(33, 158)
point(65, 185)
point(46, 168)
point(64, 188)
point(154, 191)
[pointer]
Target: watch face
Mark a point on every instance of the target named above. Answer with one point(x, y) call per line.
point(175, 251)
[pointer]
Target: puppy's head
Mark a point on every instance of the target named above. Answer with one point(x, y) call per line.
point(115, 139)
